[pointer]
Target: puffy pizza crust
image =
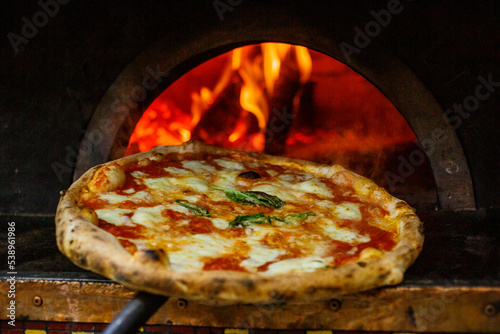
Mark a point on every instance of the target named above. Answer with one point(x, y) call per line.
point(94, 249)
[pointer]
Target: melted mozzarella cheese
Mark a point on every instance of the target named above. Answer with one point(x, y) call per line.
point(305, 264)
point(347, 211)
point(225, 180)
point(286, 177)
point(161, 183)
point(259, 255)
point(230, 165)
point(342, 234)
point(140, 196)
point(220, 223)
point(314, 186)
point(196, 248)
point(283, 193)
point(191, 183)
point(178, 171)
point(113, 215)
point(198, 166)
point(149, 216)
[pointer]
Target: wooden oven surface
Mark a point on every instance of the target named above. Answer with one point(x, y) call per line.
point(454, 286)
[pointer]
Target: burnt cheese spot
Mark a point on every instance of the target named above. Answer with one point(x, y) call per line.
point(82, 260)
point(250, 175)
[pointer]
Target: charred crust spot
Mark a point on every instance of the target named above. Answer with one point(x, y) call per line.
point(361, 264)
point(119, 277)
point(249, 284)
point(400, 205)
point(219, 280)
point(157, 156)
point(152, 254)
point(349, 275)
point(72, 230)
point(421, 229)
point(82, 260)
point(277, 296)
point(71, 242)
point(384, 275)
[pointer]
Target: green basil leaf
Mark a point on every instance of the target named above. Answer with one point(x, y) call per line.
point(253, 197)
point(260, 218)
point(244, 221)
point(293, 217)
point(196, 209)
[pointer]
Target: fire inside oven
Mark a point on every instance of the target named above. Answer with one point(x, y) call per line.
point(290, 101)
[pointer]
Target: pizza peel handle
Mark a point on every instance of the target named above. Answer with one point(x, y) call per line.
point(135, 314)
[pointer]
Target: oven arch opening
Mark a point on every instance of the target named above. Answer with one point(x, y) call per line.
point(154, 70)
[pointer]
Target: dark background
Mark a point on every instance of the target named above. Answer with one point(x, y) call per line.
point(50, 89)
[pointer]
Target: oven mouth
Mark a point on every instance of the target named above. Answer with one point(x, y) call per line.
point(287, 100)
point(426, 166)
point(273, 98)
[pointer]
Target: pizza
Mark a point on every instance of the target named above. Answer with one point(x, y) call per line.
point(202, 222)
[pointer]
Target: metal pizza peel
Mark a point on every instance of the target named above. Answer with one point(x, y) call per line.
point(135, 314)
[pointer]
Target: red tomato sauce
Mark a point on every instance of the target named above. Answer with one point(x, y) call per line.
point(100, 180)
point(129, 246)
point(379, 239)
point(131, 183)
point(200, 226)
point(94, 203)
point(266, 265)
point(229, 262)
point(123, 231)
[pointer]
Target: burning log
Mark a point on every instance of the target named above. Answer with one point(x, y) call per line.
point(225, 117)
point(282, 105)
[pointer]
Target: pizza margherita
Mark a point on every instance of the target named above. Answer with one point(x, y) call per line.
point(202, 222)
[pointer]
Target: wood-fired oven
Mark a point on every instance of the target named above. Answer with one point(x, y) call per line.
point(404, 92)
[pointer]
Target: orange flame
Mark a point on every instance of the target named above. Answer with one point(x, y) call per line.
point(257, 70)
point(228, 101)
